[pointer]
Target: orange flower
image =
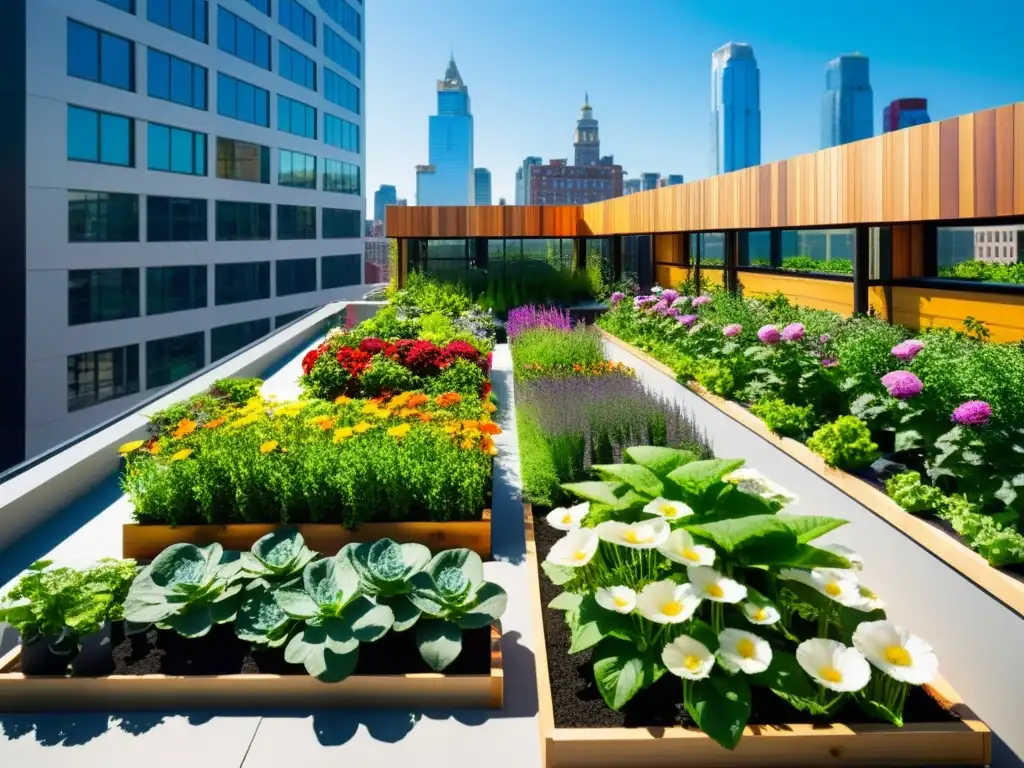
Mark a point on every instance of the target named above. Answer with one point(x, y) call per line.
point(214, 424)
point(185, 427)
point(342, 400)
point(326, 424)
point(448, 399)
point(182, 454)
point(153, 446)
point(425, 417)
point(467, 425)
point(490, 428)
point(487, 446)
point(268, 446)
point(489, 407)
point(417, 400)
point(468, 443)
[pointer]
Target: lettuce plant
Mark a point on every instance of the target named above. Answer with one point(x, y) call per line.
point(844, 443)
point(451, 593)
point(386, 570)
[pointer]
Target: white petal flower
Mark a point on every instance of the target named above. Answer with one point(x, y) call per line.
point(833, 665)
point(618, 599)
point(646, 534)
point(869, 600)
point(856, 561)
point(741, 651)
point(688, 658)
point(760, 614)
point(565, 519)
point(670, 510)
point(839, 585)
point(574, 549)
point(901, 655)
point(753, 482)
point(665, 602)
point(712, 585)
point(680, 547)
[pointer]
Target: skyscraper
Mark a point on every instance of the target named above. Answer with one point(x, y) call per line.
point(482, 179)
point(630, 186)
point(735, 108)
point(523, 179)
point(177, 184)
point(448, 178)
point(386, 195)
point(903, 113)
point(847, 108)
point(649, 181)
point(586, 140)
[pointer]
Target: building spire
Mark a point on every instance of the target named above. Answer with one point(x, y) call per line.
point(452, 73)
point(586, 100)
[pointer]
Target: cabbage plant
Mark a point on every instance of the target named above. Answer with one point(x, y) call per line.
point(385, 570)
point(451, 593)
point(280, 555)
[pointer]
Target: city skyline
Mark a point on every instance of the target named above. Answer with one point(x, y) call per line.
point(654, 108)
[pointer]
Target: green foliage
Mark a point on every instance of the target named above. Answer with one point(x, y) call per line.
point(427, 295)
point(385, 570)
point(716, 376)
point(907, 490)
point(984, 272)
point(389, 323)
point(784, 419)
point(326, 379)
point(461, 376)
point(999, 543)
point(845, 443)
point(278, 556)
point(387, 375)
point(237, 391)
point(808, 264)
point(550, 348)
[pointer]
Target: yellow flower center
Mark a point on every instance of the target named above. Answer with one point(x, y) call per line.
point(714, 590)
point(833, 590)
point(690, 554)
point(668, 510)
point(831, 674)
point(581, 555)
point(898, 656)
point(745, 648)
point(567, 518)
point(621, 602)
point(633, 537)
point(672, 609)
point(760, 614)
point(692, 662)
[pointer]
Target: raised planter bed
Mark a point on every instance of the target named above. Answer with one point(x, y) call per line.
point(161, 671)
point(144, 542)
point(575, 734)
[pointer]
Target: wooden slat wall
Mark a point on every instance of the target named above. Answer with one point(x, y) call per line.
point(834, 295)
point(927, 307)
point(965, 167)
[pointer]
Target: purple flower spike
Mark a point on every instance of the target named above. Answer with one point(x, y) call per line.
point(522, 319)
point(669, 295)
point(907, 350)
point(700, 301)
point(973, 413)
point(733, 329)
point(793, 332)
point(686, 320)
point(902, 385)
point(617, 297)
point(769, 334)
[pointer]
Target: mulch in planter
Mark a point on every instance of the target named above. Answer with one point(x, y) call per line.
point(577, 703)
point(160, 652)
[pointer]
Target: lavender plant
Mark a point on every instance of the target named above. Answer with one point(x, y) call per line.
point(530, 316)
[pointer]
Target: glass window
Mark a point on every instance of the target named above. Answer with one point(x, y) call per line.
point(341, 53)
point(187, 17)
point(176, 150)
point(344, 15)
point(240, 38)
point(100, 137)
point(243, 221)
point(230, 338)
point(758, 250)
point(95, 377)
point(295, 117)
point(102, 217)
point(818, 250)
point(260, 5)
point(340, 176)
point(296, 18)
point(295, 67)
point(174, 289)
point(295, 169)
point(296, 222)
point(128, 6)
point(97, 295)
point(175, 219)
point(174, 79)
point(173, 358)
point(295, 275)
point(341, 222)
point(243, 161)
point(282, 320)
point(340, 91)
point(100, 56)
point(341, 133)
point(962, 256)
point(245, 281)
point(708, 249)
point(338, 271)
point(242, 101)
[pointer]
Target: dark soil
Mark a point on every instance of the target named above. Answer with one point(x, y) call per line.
point(577, 703)
point(159, 652)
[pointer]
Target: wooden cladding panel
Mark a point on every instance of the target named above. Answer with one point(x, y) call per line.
point(451, 221)
point(1018, 158)
point(930, 307)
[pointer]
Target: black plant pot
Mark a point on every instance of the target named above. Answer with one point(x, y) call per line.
point(48, 655)
point(96, 657)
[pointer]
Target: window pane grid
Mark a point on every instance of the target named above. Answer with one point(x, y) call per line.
point(176, 219)
point(240, 38)
point(344, 15)
point(100, 137)
point(242, 221)
point(340, 91)
point(296, 169)
point(340, 223)
point(186, 17)
point(174, 289)
point(295, 18)
point(99, 56)
point(173, 358)
point(338, 50)
point(296, 222)
point(98, 295)
point(246, 281)
point(296, 67)
point(95, 377)
point(339, 271)
point(341, 133)
point(243, 101)
point(295, 117)
point(340, 176)
point(102, 217)
point(173, 79)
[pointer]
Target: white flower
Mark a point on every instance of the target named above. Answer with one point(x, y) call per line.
point(665, 602)
point(741, 651)
point(753, 482)
point(839, 585)
point(574, 549)
point(646, 534)
point(712, 585)
point(682, 301)
point(901, 655)
point(688, 658)
point(869, 600)
point(760, 614)
point(680, 547)
point(833, 665)
point(618, 599)
point(856, 561)
point(656, 290)
point(565, 519)
point(670, 510)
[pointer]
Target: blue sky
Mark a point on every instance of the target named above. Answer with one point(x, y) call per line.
point(647, 65)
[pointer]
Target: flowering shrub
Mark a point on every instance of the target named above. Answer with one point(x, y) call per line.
point(530, 316)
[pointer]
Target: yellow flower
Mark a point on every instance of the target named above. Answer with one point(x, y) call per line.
point(182, 454)
point(268, 446)
point(399, 400)
point(326, 425)
point(245, 421)
point(316, 421)
point(342, 434)
point(451, 429)
point(468, 443)
point(342, 400)
point(489, 407)
point(361, 427)
point(370, 407)
point(407, 412)
point(381, 413)
point(400, 431)
point(131, 447)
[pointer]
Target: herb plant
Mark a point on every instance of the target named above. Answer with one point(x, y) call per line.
point(844, 443)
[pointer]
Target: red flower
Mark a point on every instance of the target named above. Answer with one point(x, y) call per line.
point(373, 346)
point(490, 360)
point(310, 358)
point(460, 350)
point(398, 350)
point(487, 391)
point(423, 358)
point(355, 361)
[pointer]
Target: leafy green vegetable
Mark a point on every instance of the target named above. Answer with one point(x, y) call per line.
point(278, 556)
point(385, 570)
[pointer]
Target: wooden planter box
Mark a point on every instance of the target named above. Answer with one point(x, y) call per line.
point(144, 542)
point(19, 693)
point(965, 742)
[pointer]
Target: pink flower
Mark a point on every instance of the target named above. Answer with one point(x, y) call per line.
point(907, 350)
point(829, 362)
point(793, 332)
point(700, 301)
point(902, 385)
point(825, 338)
point(973, 413)
point(617, 297)
point(672, 312)
point(733, 329)
point(669, 295)
point(769, 334)
point(686, 320)
point(661, 307)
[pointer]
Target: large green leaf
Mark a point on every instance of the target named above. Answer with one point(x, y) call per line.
point(439, 642)
point(567, 601)
point(195, 622)
point(731, 535)
point(720, 705)
point(260, 617)
point(406, 614)
point(659, 460)
point(788, 554)
point(558, 574)
point(877, 710)
point(640, 479)
point(809, 527)
point(591, 623)
point(620, 671)
point(785, 675)
point(597, 491)
point(296, 602)
point(490, 604)
point(465, 560)
point(367, 620)
point(698, 476)
point(279, 548)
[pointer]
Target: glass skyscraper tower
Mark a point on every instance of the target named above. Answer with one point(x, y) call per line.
point(847, 107)
point(449, 177)
point(735, 108)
